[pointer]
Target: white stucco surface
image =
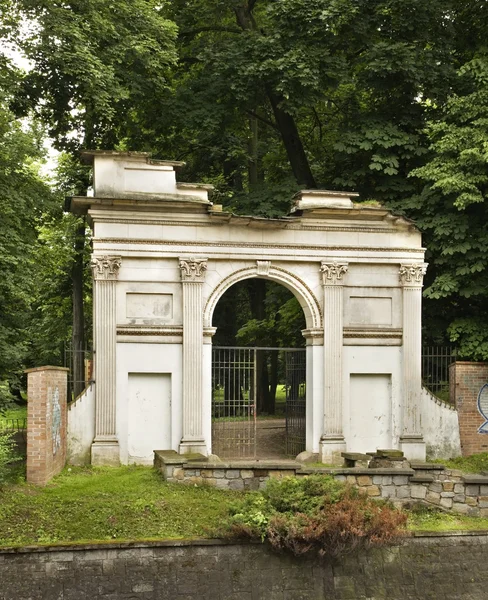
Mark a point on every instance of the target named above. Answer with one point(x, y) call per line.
point(81, 427)
point(162, 258)
point(441, 427)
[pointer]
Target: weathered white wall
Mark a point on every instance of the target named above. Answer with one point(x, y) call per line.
point(440, 426)
point(149, 377)
point(81, 427)
point(372, 397)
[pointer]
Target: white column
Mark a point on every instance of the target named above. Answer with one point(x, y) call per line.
point(192, 277)
point(105, 447)
point(314, 414)
point(332, 442)
point(411, 440)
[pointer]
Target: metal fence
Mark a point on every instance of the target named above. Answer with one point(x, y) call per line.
point(435, 369)
point(77, 384)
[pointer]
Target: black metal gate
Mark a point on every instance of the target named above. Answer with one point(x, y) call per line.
point(244, 423)
point(295, 402)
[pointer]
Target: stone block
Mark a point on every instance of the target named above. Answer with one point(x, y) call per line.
point(400, 479)
point(433, 497)
point(435, 487)
point(472, 490)
point(446, 502)
point(207, 473)
point(276, 474)
point(179, 473)
point(388, 491)
point(459, 498)
point(222, 484)
point(484, 512)
point(351, 479)
point(247, 473)
point(373, 490)
point(483, 501)
point(459, 488)
point(460, 507)
point(447, 494)
point(232, 474)
point(363, 480)
point(418, 491)
point(190, 473)
point(218, 473)
point(470, 501)
point(483, 490)
point(403, 491)
point(236, 484)
point(448, 486)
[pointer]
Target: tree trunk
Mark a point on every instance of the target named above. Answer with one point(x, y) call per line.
point(284, 121)
point(292, 142)
point(78, 334)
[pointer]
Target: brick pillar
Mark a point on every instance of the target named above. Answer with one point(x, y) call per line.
point(46, 423)
point(466, 382)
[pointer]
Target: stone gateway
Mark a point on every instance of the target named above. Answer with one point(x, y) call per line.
point(163, 255)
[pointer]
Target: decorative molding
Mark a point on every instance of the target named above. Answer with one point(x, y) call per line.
point(294, 247)
point(176, 330)
point(276, 274)
point(219, 222)
point(350, 332)
point(193, 269)
point(412, 274)
point(105, 267)
point(263, 267)
point(332, 273)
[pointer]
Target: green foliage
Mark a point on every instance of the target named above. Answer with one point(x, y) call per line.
point(94, 63)
point(426, 518)
point(8, 455)
point(315, 514)
point(90, 504)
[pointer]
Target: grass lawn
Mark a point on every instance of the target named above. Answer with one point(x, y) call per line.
point(478, 463)
point(133, 503)
point(95, 504)
point(13, 412)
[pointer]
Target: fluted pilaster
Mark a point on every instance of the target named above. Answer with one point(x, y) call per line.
point(411, 278)
point(332, 441)
point(192, 278)
point(105, 272)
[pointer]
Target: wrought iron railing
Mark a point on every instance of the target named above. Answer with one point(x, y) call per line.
point(436, 361)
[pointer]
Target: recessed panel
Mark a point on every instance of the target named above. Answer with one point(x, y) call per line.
point(149, 415)
point(368, 310)
point(149, 306)
point(370, 412)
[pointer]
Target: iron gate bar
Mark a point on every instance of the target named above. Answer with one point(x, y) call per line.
point(235, 431)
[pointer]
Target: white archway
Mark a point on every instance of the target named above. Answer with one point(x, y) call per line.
point(264, 270)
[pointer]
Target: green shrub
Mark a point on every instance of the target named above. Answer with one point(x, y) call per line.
point(316, 514)
point(8, 454)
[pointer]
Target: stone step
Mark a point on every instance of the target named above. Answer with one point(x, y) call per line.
point(424, 466)
point(421, 479)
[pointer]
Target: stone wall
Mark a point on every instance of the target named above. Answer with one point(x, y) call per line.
point(432, 567)
point(429, 483)
point(46, 423)
point(466, 381)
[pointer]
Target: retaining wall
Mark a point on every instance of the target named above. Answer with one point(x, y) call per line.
point(428, 567)
point(429, 483)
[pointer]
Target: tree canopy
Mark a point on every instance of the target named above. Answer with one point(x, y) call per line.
point(388, 98)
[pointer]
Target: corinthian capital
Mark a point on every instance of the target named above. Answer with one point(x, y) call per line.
point(332, 273)
point(193, 269)
point(105, 267)
point(412, 274)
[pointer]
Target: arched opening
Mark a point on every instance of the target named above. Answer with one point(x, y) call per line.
point(258, 372)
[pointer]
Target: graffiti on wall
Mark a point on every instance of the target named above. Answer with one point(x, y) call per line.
point(483, 408)
point(56, 421)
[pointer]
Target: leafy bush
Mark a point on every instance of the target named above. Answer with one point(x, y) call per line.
point(8, 454)
point(316, 514)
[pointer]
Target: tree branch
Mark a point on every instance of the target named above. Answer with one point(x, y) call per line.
point(262, 119)
point(251, 4)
